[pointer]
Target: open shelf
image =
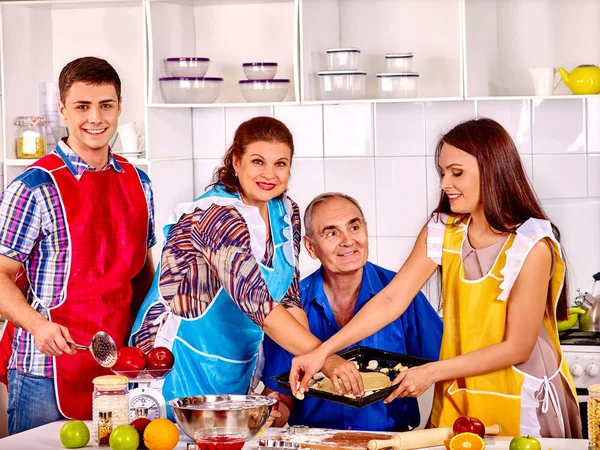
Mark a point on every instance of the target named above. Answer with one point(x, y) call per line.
point(504, 38)
point(230, 33)
point(430, 29)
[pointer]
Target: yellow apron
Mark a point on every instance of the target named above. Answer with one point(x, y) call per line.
point(475, 317)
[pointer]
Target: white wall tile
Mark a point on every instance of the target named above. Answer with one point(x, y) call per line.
point(514, 116)
point(400, 129)
point(442, 117)
point(433, 184)
point(401, 188)
point(558, 126)
point(306, 125)
point(203, 172)
point(527, 161)
point(348, 130)
point(209, 132)
point(578, 221)
point(234, 117)
point(593, 173)
point(593, 125)
point(307, 181)
point(307, 264)
point(373, 252)
point(354, 177)
point(560, 176)
point(392, 252)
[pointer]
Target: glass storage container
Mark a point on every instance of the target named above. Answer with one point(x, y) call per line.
point(594, 417)
point(110, 406)
point(30, 141)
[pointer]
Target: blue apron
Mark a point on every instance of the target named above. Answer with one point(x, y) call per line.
point(216, 353)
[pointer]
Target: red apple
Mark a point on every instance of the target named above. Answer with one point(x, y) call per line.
point(130, 360)
point(160, 359)
point(469, 425)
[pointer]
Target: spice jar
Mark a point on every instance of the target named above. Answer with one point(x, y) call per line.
point(110, 406)
point(594, 417)
point(30, 137)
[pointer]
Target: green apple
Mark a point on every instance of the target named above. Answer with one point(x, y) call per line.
point(525, 443)
point(74, 434)
point(124, 437)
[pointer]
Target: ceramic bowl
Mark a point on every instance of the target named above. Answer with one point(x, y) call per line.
point(260, 70)
point(186, 67)
point(265, 90)
point(190, 89)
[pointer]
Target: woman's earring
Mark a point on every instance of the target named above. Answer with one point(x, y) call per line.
point(236, 175)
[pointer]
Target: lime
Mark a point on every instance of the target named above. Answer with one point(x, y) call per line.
point(74, 434)
point(124, 437)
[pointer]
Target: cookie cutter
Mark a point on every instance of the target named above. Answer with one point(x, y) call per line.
point(298, 429)
point(265, 444)
point(192, 446)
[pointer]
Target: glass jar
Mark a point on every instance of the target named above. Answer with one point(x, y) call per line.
point(593, 417)
point(110, 406)
point(30, 139)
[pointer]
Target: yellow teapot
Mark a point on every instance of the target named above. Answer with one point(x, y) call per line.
point(583, 80)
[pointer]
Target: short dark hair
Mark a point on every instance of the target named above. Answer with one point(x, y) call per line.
point(89, 70)
point(258, 129)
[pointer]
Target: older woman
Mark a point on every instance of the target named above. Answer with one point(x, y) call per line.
point(228, 273)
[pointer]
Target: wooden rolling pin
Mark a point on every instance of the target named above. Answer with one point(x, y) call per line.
point(421, 438)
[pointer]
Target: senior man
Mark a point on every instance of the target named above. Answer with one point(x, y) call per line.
point(336, 234)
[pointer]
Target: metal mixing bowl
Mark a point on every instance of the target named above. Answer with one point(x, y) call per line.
point(207, 411)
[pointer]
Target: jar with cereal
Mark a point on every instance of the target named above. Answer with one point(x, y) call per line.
point(594, 417)
point(30, 139)
point(110, 406)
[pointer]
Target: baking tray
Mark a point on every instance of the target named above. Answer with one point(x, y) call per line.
point(362, 355)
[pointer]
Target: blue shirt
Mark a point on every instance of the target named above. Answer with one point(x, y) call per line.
point(418, 332)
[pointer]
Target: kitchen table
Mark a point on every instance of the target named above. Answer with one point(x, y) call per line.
point(47, 438)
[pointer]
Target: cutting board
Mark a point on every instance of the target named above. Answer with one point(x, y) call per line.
point(326, 439)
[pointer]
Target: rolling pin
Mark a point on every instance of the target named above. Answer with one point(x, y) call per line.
point(421, 438)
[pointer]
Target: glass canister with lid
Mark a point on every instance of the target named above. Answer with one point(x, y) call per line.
point(30, 140)
point(593, 417)
point(110, 406)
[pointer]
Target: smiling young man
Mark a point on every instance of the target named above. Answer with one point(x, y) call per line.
point(79, 224)
point(336, 234)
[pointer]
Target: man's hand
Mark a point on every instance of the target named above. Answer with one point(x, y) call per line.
point(337, 368)
point(52, 339)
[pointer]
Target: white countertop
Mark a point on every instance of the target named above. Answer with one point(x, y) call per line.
point(47, 438)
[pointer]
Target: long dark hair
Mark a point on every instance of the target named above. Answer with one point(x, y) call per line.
point(507, 197)
point(257, 129)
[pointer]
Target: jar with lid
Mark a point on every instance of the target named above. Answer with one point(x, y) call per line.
point(30, 139)
point(593, 417)
point(110, 406)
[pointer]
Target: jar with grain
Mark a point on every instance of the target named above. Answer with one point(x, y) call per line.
point(110, 406)
point(594, 417)
point(30, 141)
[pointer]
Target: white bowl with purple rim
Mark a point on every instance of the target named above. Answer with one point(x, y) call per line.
point(268, 91)
point(186, 67)
point(260, 70)
point(399, 62)
point(342, 84)
point(398, 85)
point(343, 58)
point(190, 89)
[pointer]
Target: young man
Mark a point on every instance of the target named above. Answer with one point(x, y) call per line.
point(336, 234)
point(79, 224)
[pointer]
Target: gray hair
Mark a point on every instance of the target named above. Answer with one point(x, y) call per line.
point(322, 198)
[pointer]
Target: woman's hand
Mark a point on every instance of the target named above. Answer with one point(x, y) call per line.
point(275, 414)
point(412, 382)
point(303, 369)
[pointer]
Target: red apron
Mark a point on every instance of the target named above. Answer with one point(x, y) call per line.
point(107, 219)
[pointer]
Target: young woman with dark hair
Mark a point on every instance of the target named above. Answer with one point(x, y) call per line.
point(502, 276)
point(229, 273)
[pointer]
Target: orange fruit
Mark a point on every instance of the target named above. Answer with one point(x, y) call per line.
point(161, 434)
point(467, 441)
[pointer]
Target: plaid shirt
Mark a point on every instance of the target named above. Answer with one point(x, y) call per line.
point(33, 231)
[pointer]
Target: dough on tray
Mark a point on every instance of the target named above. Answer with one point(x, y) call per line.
point(372, 381)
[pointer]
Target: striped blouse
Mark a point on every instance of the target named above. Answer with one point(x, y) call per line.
point(209, 249)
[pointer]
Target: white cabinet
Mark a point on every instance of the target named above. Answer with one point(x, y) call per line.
point(430, 29)
point(504, 38)
point(230, 33)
